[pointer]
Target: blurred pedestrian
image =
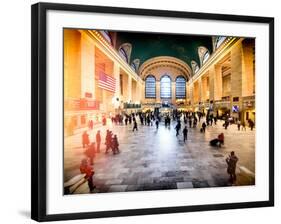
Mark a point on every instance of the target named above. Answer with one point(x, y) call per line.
point(135, 127)
point(98, 141)
point(88, 170)
point(184, 132)
point(85, 139)
point(115, 145)
point(90, 153)
point(231, 167)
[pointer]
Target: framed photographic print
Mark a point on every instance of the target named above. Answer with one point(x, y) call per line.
point(138, 111)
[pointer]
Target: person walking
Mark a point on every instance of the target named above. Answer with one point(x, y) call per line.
point(215, 120)
point(88, 170)
point(251, 124)
point(178, 127)
point(243, 126)
point(115, 145)
point(203, 127)
point(184, 132)
point(135, 127)
point(85, 139)
point(98, 141)
point(231, 167)
point(226, 123)
point(90, 153)
point(108, 140)
point(190, 122)
point(238, 125)
point(157, 123)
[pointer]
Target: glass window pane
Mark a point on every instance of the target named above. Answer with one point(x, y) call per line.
point(150, 87)
point(123, 54)
point(206, 56)
point(219, 41)
point(165, 87)
point(180, 88)
point(106, 35)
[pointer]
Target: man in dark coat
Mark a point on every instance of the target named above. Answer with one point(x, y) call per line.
point(184, 132)
point(98, 141)
point(108, 140)
point(135, 127)
point(90, 153)
point(203, 127)
point(157, 123)
point(85, 139)
point(231, 166)
point(178, 127)
point(88, 170)
point(115, 145)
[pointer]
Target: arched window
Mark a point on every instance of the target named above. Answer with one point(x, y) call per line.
point(150, 87)
point(106, 36)
point(204, 54)
point(165, 87)
point(194, 66)
point(125, 51)
point(219, 41)
point(180, 87)
point(123, 54)
point(205, 57)
point(135, 64)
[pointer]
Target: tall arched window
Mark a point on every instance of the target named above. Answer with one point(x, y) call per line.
point(125, 51)
point(165, 87)
point(123, 54)
point(219, 41)
point(133, 66)
point(180, 87)
point(205, 57)
point(204, 54)
point(106, 36)
point(194, 66)
point(150, 87)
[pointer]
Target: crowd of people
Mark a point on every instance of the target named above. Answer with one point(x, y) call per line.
point(87, 164)
point(191, 119)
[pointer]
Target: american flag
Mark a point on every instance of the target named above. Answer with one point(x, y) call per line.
point(107, 82)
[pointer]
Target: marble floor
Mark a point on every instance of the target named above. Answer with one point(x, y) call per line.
point(151, 159)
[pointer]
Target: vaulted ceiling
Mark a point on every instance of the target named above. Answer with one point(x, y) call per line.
point(149, 45)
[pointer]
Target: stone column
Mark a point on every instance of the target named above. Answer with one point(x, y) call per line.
point(72, 64)
point(248, 68)
point(129, 96)
point(236, 75)
point(191, 95)
point(158, 99)
point(200, 94)
point(87, 66)
point(217, 82)
point(139, 92)
point(211, 83)
point(117, 94)
point(173, 92)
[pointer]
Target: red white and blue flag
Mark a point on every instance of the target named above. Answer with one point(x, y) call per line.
point(107, 82)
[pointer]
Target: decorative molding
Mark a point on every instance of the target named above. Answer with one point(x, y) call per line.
point(165, 61)
point(112, 53)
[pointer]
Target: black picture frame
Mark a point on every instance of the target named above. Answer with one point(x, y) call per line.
point(39, 108)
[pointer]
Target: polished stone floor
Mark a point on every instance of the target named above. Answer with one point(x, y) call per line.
point(153, 159)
